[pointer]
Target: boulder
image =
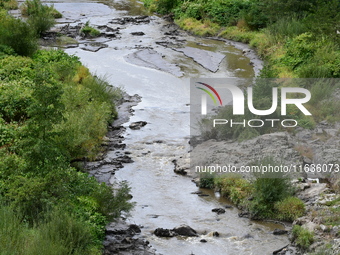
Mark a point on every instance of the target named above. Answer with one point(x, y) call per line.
point(185, 230)
point(164, 232)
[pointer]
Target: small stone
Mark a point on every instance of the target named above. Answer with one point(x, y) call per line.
point(215, 234)
point(203, 241)
point(335, 230)
point(324, 228)
point(218, 210)
point(138, 33)
point(137, 125)
point(307, 160)
point(319, 131)
point(248, 236)
point(244, 51)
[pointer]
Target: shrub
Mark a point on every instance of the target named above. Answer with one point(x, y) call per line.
point(62, 65)
point(299, 50)
point(165, 6)
point(289, 209)
point(18, 69)
point(269, 188)
point(40, 17)
point(234, 187)
point(194, 10)
point(226, 13)
point(9, 4)
point(5, 51)
point(17, 34)
point(50, 207)
point(207, 181)
point(303, 237)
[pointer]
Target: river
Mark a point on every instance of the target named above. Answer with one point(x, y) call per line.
point(163, 198)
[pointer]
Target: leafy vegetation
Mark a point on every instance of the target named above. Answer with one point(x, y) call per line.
point(87, 30)
point(16, 35)
point(265, 196)
point(40, 17)
point(8, 4)
point(235, 188)
point(303, 237)
point(290, 208)
point(52, 112)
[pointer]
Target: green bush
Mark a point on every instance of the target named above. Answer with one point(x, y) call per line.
point(207, 181)
point(303, 237)
point(64, 211)
point(269, 188)
point(9, 4)
point(17, 34)
point(299, 50)
point(62, 66)
point(234, 187)
point(165, 6)
point(14, 101)
point(289, 209)
point(40, 17)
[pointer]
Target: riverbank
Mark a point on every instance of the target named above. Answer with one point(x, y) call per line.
point(53, 116)
point(287, 53)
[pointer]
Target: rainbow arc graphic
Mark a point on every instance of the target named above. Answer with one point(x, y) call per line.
point(211, 92)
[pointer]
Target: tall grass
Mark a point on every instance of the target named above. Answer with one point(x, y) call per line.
point(285, 28)
point(58, 234)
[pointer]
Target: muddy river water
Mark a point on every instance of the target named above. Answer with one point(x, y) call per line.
point(163, 198)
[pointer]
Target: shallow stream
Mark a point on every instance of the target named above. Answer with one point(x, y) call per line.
point(163, 198)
